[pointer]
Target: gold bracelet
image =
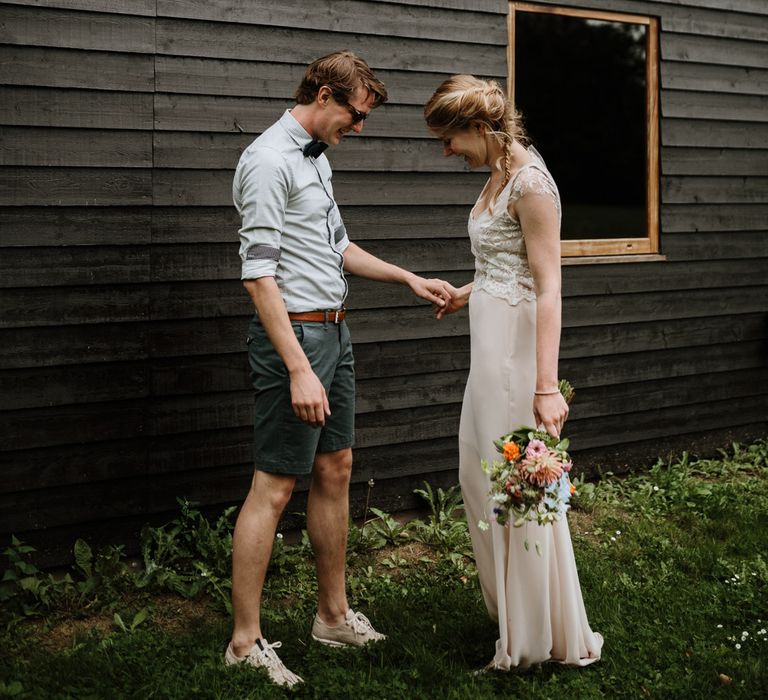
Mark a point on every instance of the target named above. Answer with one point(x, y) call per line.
point(546, 393)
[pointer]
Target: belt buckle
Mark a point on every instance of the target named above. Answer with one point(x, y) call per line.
point(332, 315)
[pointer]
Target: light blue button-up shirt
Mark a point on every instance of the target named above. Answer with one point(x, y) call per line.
point(291, 226)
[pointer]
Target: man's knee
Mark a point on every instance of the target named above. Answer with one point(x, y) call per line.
point(275, 490)
point(333, 469)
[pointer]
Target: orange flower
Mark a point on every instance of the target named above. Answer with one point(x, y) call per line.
point(511, 451)
point(573, 488)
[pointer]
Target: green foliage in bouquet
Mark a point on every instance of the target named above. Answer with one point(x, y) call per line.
point(567, 390)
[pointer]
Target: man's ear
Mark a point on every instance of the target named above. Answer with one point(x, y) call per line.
point(324, 94)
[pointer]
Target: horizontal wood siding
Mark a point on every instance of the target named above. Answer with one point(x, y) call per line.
point(122, 318)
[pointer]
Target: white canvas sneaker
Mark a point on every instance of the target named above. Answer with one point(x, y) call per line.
point(356, 630)
point(265, 657)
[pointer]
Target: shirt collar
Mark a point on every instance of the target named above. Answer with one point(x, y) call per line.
point(295, 130)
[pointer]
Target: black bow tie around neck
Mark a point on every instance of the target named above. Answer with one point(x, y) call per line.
point(314, 148)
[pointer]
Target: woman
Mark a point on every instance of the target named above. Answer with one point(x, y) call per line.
point(514, 311)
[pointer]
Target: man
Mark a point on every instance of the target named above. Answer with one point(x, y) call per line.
point(295, 249)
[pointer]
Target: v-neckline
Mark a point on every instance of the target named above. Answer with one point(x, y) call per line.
point(472, 214)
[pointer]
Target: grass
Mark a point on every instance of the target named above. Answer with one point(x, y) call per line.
point(673, 569)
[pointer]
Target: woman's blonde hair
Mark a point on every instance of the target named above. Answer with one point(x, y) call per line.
point(464, 101)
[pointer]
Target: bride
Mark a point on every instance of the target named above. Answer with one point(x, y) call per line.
point(514, 313)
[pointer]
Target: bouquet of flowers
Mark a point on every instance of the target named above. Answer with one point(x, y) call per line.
point(530, 481)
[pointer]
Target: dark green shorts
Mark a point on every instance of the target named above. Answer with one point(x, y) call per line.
point(282, 443)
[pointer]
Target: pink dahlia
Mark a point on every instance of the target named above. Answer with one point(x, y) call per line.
point(544, 470)
point(536, 448)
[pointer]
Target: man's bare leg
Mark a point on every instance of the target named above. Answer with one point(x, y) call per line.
point(251, 550)
point(327, 526)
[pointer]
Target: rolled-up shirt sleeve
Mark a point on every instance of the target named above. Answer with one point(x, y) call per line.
point(340, 238)
point(260, 192)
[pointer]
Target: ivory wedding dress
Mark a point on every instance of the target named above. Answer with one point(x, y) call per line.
point(536, 599)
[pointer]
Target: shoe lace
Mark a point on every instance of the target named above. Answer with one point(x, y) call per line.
point(360, 623)
point(269, 656)
point(270, 659)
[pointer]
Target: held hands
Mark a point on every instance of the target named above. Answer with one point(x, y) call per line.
point(551, 411)
point(308, 398)
point(458, 299)
point(434, 290)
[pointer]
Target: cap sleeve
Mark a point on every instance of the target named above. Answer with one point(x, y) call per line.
point(533, 180)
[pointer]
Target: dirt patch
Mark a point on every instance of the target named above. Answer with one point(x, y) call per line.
point(175, 614)
point(168, 612)
point(580, 521)
point(62, 635)
point(412, 552)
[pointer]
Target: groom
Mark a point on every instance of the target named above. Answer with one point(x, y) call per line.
point(294, 250)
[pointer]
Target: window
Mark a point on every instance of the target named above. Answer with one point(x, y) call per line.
point(587, 84)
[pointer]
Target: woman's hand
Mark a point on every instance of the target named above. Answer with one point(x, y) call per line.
point(551, 411)
point(459, 298)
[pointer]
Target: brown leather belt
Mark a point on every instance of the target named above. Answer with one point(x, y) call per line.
point(327, 316)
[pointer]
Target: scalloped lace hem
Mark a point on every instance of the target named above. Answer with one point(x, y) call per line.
point(512, 294)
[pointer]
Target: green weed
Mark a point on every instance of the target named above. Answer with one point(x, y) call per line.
point(445, 528)
point(189, 555)
point(95, 582)
point(387, 529)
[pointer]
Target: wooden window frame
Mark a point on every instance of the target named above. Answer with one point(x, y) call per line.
point(649, 244)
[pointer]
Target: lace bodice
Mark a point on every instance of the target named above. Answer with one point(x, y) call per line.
point(498, 244)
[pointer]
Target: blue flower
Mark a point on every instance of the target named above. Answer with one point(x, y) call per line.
point(550, 502)
point(562, 487)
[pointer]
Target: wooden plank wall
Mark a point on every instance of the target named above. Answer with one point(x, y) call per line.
point(124, 379)
point(124, 376)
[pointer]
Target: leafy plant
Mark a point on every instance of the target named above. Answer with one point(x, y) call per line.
point(686, 485)
point(387, 527)
point(93, 583)
point(361, 540)
point(138, 618)
point(442, 529)
point(11, 689)
point(189, 554)
point(585, 496)
point(104, 576)
point(24, 589)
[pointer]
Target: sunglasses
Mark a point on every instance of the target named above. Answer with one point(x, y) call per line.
point(356, 114)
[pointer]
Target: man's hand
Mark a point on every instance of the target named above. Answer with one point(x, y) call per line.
point(433, 290)
point(308, 398)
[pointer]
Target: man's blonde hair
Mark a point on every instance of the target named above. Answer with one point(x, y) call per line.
point(343, 72)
